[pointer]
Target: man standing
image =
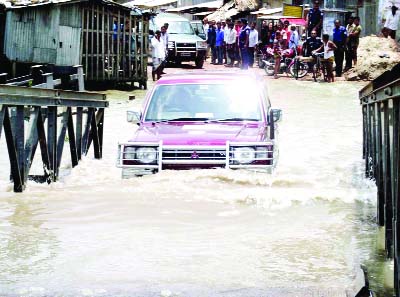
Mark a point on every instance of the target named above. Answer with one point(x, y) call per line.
point(264, 33)
point(391, 22)
point(348, 53)
point(244, 44)
point(355, 39)
point(211, 40)
point(219, 43)
point(158, 55)
point(340, 40)
point(230, 40)
point(253, 40)
point(226, 32)
point(314, 19)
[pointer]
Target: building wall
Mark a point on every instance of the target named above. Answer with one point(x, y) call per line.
point(34, 35)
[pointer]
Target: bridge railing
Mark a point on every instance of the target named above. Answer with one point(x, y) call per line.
point(380, 102)
point(33, 117)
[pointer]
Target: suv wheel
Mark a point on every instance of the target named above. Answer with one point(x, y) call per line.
point(199, 62)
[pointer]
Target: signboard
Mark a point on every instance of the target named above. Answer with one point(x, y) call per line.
point(292, 10)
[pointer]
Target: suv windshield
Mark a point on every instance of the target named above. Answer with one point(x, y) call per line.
point(177, 27)
point(214, 102)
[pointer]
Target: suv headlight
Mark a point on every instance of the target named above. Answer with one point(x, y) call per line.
point(129, 153)
point(244, 155)
point(146, 154)
point(201, 44)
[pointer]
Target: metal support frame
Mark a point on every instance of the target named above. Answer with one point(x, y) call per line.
point(381, 151)
point(34, 110)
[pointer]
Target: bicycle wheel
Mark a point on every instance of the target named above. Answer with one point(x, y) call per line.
point(298, 69)
point(324, 73)
point(316, 71)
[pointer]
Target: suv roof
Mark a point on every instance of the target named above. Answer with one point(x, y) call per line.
point(213, 75)
point(171, 16)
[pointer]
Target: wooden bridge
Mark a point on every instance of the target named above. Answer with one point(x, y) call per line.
point(380, 102)
point(25, 112)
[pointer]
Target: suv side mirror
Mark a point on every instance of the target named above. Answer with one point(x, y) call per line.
point(276, 115)
point(133, 116)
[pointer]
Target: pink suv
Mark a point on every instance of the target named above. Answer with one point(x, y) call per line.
point(202, 120)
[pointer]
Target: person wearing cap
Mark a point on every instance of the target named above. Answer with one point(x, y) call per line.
point(314, 19)
point(244, 44)
point(391, 22)
point(158, 55)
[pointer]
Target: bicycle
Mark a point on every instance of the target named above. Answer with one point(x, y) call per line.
point(289, 64)
point(319, 68)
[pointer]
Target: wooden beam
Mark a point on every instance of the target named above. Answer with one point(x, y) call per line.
point(79, 117)
point(12, 154)
point(61, 137)
point(19, 135)
point(71, 137)
point(19, 100)
point(95, 136)
point(85, 139)
point(31, 141)
point(52, 140)
point(43, 146)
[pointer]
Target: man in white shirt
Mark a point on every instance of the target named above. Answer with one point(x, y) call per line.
point(391, 22)
point(230, 39)
point(253, 40)
point(158, 55)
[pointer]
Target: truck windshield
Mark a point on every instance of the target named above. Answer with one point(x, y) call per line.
point(225, 102)
point(180, 28)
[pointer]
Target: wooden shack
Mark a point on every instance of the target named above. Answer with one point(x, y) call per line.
point(107, 38)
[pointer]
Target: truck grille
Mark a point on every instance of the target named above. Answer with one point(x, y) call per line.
point(186, 47)
point(195, 155)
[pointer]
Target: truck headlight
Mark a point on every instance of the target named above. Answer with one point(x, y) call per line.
point(129, 153)
point(244, 155)
point(146, 154)
point(201, 44)
point(171, 44)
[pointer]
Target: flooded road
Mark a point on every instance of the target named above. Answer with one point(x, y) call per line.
point(305, 230)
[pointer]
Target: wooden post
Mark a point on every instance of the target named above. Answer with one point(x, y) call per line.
point(52, 140)
point(48, 79)
point(81, 77)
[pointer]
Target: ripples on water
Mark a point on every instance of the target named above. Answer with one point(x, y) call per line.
point(202, 232)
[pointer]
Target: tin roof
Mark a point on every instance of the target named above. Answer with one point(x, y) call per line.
point(13, 4)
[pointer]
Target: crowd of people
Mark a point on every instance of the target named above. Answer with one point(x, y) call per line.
point(235, 43)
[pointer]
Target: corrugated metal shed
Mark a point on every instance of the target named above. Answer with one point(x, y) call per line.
point(102, 35)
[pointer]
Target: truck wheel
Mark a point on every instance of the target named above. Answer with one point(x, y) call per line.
point(199, 63)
